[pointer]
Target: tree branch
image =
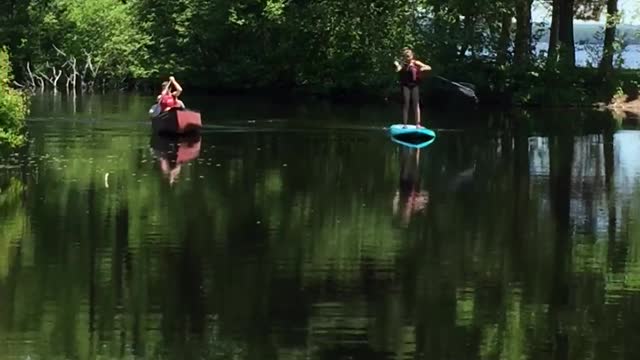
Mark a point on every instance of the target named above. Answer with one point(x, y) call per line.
point(59, 51)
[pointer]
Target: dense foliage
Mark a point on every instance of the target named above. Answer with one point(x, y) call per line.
point(320, 46)
point(13, 105)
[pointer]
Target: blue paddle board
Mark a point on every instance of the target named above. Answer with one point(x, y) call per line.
point(411, 135)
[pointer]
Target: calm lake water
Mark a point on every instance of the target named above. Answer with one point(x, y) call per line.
point(302, 232)
point(590, 55)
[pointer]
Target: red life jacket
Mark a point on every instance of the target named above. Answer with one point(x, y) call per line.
point(410, 74)
point(415, 72)
point(167, 101)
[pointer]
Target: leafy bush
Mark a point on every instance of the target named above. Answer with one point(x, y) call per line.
point(13, 105)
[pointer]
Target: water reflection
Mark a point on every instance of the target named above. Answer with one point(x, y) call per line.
point(174, 151)
point(409, 199)
point(283, 246)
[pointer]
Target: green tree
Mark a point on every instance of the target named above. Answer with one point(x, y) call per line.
point(13, 105)
point(612, 20)
point(80, 42)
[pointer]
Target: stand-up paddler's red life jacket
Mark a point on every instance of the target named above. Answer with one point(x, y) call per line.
point(410, 74)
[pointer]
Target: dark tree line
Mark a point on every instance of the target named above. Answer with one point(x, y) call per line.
point(321, 46)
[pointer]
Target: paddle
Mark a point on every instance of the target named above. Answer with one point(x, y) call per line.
point(465, 88)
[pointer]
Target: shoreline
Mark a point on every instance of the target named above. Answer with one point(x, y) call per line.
point(431, 98)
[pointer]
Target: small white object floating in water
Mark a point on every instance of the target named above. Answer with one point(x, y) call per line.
point(411, 135)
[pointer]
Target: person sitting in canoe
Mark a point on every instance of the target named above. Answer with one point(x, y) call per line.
point(409, 72)
point(169, 99)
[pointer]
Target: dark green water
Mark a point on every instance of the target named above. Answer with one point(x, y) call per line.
point(302, 232)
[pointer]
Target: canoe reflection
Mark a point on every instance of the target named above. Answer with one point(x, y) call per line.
point(173, 151)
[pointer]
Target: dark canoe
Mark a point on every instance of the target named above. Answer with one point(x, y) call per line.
point(176, 121)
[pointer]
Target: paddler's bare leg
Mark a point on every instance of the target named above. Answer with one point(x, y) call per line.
point(415, 98)
point(406, 94)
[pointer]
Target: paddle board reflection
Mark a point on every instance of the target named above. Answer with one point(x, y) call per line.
point(173, 151)
point(409, 199)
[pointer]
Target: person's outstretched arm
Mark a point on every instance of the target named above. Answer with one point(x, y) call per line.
point(423, 67)
point(177, 86)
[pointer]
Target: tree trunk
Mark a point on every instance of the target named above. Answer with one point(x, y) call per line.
point(606, 65)
point(552, 52)
point(522, 50)
point(505, 39)
point(566, 44)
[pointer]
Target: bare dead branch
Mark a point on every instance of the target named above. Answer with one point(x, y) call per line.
point(43, 76)
point(59, 51)
point(33, 82)
point(56, 74)
point(53, 79)
point(40, 81)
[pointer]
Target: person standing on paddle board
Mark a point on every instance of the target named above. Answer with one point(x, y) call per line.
point(409, 72)
point(169, 99)
point(409, 198)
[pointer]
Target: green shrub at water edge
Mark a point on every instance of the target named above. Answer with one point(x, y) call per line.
point(13, 105)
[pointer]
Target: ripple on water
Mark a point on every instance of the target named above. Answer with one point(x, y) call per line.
point(352, 328)
point(623, 285)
